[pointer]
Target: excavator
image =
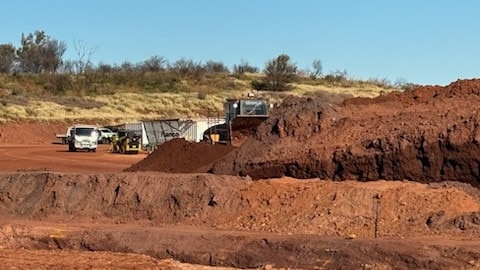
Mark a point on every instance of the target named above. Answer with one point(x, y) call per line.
point(242, 117)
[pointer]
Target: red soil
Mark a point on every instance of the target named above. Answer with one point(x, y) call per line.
point(180, 156)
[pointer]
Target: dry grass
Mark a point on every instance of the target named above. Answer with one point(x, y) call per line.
point(135, 106)
point(364, 90)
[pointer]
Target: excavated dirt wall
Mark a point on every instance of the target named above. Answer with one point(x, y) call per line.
point(233, 203)
point(31, 132)
point(120, 197)
point(430, 134)
point(234, 221)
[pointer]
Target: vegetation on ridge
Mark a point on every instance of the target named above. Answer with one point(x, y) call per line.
point(37, 83)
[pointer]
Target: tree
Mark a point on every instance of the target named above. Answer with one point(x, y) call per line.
point(52, 54)
point(317, 69)
point(186, 67)
point(28, 53)
point(105, 68)
point(127, 67)
point(280, 71)
point(84, 54)
point(7, 57)
point(215, 67)
point(154, 63)
point(40, 53)
point(67, 67)
point(243, 67)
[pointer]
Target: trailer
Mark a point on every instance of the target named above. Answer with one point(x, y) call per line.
point(162, 130)
point(64, 137)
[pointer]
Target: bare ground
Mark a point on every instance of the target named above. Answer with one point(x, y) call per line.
point(81, 210)
point(237, 222)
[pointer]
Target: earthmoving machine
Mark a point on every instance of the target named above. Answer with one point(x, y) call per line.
point(242, 117)
point(126, 142)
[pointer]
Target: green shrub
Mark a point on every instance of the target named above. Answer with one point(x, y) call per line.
point(58, 84)
point(260, 85)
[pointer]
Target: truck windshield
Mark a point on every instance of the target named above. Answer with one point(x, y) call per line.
point(84, 131)
point(253, 107)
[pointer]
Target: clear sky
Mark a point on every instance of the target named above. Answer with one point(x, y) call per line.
point(422, 41)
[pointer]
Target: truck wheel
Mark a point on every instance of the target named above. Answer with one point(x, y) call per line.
point(71, 148)
point(105, 141)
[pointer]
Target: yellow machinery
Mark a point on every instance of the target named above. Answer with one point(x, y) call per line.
point(242, 116)
point(126, 142)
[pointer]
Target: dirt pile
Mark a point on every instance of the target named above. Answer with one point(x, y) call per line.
point(429, 134)
point(281, 206)
point(233, 221)
point(180, 156)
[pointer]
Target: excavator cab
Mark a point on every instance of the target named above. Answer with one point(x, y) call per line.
point(242, 117)
point(245, 115)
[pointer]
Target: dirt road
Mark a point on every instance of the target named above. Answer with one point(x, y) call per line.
point(87, 246)
point(54, 157)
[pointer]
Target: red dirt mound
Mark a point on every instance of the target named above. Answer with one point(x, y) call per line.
point(429, 134)
point(313, 207)
point(180, 156)
point(31, 132)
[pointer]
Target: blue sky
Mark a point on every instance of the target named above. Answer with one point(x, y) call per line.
point(422, 41)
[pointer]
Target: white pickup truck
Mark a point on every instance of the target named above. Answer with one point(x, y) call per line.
point(105, 135)
point(80, 137)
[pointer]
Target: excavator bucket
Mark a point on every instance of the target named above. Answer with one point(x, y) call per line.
point(244, 126)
